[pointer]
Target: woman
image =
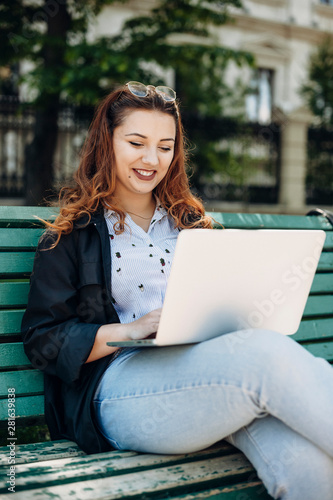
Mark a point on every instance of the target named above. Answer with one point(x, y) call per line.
point(100, 275)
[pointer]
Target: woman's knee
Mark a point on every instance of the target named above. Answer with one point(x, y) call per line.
point(249, 354)
point(252, 337)
point(268, 348)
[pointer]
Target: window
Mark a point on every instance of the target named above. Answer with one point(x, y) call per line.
point(259, 98)
point(327, 2)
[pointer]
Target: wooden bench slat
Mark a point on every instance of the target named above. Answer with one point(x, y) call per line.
point(16, 263)
point(270, 221)
point(27, 238)
point(51, 450)
point(83, 470)
point(314, 329)
point(179, 478)
point(48, 450)
point(25, 216)
point(26, 406)
point(253, 490)
point(326, 262)
point(14, 294)
point(321, 349)
point(19, 238)
point(322, 282)
point(113, 462)
point(10, 321)
point(12, 355)
point(319, 305)
point(23, 381)
point(329, 240)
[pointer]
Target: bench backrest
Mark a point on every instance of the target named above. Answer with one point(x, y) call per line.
point(19, 235)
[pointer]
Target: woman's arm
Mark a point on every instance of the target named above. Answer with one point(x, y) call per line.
point(139, 329)
point(55, 339)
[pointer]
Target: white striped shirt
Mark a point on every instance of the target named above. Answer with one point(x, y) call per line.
point(141, 263)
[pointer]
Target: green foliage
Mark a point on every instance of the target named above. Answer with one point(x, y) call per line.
point(177, 34)
point(320, 158)
point(90, 68)
point(320, 170)
point(15, 31)
point(318, 91)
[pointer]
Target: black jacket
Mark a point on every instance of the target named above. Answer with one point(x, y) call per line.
point(70, 298)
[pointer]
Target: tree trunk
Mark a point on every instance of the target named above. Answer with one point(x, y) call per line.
point(40, 152)
point(39, 156)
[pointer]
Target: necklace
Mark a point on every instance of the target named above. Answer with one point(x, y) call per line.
point(145, 218)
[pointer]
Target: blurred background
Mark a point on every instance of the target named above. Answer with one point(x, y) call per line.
point(254, 79)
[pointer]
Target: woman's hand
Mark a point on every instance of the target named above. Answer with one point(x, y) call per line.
point(138, 329)
point(144, 326)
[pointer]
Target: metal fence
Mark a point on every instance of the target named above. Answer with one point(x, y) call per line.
point(16, 131)
point(319, 181)
point(250, 170)
point(250, 167)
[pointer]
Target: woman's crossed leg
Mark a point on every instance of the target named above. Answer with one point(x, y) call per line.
point(184, 398)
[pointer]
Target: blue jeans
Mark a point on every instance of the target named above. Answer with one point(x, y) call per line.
point(260, 390)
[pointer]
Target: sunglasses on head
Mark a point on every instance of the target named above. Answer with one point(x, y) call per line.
point(140, 90)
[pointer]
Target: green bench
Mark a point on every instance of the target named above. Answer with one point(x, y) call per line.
point(60, 469)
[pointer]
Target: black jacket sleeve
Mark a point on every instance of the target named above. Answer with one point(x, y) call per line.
point(56, 339)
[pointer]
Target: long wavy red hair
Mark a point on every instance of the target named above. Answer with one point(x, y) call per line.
point(95, 178)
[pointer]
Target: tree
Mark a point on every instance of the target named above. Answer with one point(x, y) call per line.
point(53, 35)
point(318, 91)
point(41, 32)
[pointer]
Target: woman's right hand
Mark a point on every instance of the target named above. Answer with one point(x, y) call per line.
point(144, 326)
point(138, 329)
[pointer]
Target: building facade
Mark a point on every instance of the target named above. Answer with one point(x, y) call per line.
point(281, 34)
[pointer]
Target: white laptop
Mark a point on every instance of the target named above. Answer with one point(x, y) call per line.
point(236, 279)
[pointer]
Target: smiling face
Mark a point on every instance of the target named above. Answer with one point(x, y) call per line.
point(143, 146)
